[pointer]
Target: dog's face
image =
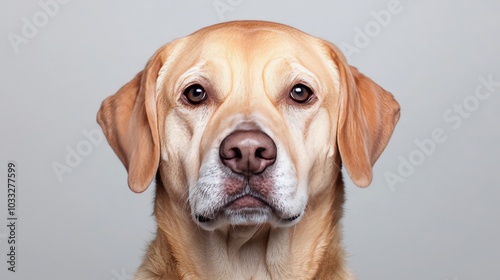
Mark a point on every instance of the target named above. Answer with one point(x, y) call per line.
point(245, 115)
point(245, 121)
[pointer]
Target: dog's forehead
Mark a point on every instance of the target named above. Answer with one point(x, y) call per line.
point(248, 57)
point(248, 31)
point(250, 43)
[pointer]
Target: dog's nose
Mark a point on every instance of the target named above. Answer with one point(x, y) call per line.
point(248, 152)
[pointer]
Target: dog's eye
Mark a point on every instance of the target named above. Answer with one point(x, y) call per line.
point(195, 94)
point(301, 93)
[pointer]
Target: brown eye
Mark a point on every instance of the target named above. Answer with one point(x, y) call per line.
point(301, 93)
point(195, 94)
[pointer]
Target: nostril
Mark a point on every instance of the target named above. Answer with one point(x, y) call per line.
point(263, 153)
point(237, 153)
point(258, 152)
point(231, 154)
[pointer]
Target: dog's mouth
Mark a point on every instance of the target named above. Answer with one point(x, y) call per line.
point(246, 201)
point(249, 201)
point(247, 209)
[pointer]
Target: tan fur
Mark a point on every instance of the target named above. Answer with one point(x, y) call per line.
point(246, 66)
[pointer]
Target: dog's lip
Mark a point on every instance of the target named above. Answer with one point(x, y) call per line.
point(251, 202)
point(246, 201)
point(242, 202)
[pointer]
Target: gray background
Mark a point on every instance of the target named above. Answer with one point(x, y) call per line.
point(439, 221)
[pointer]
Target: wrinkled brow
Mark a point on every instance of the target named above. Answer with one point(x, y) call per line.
point(193, 74)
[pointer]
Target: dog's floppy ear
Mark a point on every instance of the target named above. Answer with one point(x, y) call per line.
point(128, 119)
point(367, 117)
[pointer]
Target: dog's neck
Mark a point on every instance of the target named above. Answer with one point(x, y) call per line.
point(310, 249)
point(244, 252)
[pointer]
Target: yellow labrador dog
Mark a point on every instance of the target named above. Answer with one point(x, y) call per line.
point(245, 126)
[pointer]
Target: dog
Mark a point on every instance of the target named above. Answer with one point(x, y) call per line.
point(245, 126)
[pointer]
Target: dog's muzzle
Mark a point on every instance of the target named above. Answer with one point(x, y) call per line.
point(248, 154)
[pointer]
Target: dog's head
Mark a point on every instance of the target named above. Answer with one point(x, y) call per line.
point(247, 121)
